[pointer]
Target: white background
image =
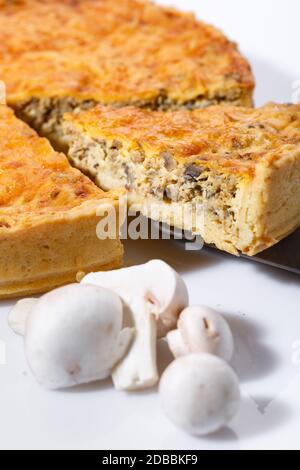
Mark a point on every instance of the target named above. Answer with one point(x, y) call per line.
point(262, 305)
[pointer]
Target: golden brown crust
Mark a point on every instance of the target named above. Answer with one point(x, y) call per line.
point(40, 286)
point(231, 139)
point(116, 51)
point(48, 215)
point(36, 181)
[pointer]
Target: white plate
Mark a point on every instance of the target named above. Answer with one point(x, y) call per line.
point(262, 305)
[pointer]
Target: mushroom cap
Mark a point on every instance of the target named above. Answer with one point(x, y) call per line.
point(203, 330)
point(169, 295)
point(199, 393)
point(157, 283)
point(72, 335)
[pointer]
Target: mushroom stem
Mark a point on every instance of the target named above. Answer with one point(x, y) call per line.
point(19, 314)
point(176, 344)
point(138, 369)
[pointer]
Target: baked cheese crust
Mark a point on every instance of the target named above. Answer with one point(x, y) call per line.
point(48, 215)
point(117, 51)
point(242, 165)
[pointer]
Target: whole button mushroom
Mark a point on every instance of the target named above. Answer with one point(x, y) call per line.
point(199, 393)
point(201, 330)
point(74, 335)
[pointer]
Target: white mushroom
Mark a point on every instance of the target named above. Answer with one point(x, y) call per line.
point(199, 393)
point(154, 295)
point(201, 330)
point(74, 335)
point(18, 315)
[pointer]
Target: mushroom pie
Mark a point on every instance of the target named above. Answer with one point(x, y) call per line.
point(58, 56)
point(238, 167)
point(48, 215)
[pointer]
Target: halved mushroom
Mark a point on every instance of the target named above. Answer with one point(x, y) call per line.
point(154, 295)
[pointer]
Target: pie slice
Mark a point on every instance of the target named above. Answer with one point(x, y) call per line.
point(231, 174)
point(48, 215)
point(61, 56)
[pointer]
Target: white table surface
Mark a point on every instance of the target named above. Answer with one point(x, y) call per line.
point(262, 305)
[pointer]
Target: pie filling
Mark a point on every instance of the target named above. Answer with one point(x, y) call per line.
point(45, 115)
